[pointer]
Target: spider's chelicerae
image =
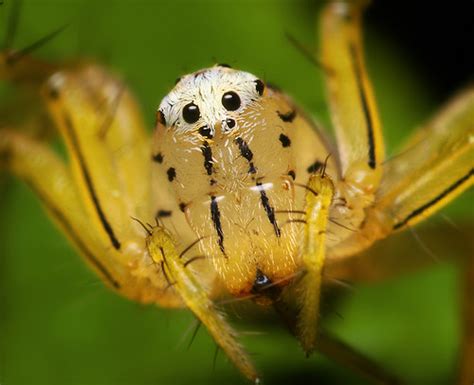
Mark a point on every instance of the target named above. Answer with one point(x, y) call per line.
point(240, 193)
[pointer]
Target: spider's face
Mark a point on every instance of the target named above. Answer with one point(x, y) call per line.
point(210, 100)
point(224, 144)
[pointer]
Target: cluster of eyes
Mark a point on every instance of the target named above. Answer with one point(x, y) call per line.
point(230, 100)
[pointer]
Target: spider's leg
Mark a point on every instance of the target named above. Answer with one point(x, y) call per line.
point(432, 168)
point(355, 120)
point(110, 156)
point(319, 195)
point(109, 150)
point(351, 98)
point(195, 296)
point(50, 179)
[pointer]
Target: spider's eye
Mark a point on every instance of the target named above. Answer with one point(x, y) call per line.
point(231, 101)
point(191, 113)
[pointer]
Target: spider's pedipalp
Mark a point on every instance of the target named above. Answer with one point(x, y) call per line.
point(162, 250)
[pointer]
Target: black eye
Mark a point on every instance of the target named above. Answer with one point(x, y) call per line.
point(191, 113)
point(206, 132)
point(230, 123)
point(231, 101)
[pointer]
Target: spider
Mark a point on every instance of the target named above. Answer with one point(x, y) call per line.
point(241, 175)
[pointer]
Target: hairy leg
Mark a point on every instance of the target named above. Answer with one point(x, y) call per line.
point(163, 252)
point(319, 195)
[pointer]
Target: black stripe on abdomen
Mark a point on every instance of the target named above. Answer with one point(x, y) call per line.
point(268, 209)
point(207, 154)
point(247, 153)
point(216, 219)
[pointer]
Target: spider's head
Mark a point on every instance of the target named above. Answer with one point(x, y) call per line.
point(223, 140)
point(210, 100)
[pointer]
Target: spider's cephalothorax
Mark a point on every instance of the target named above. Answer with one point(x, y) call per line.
point(226, 143)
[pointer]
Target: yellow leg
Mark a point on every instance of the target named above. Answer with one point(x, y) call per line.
point(109, 182)
point(319, 195)
point(51, 181)
point(108, 147)
point(162, 250)
point(434, 166)
point(355, 119)
point(351, 98)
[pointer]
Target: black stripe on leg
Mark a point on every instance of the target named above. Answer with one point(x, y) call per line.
point(268, 209)
point(365, 106)
point(76, 240)
point(216, 219)
point(90, 186)
point(433, 201)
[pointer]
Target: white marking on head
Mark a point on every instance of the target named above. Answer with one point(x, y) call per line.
point(205, 89)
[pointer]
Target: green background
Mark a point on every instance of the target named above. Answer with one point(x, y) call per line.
point(59, 325)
